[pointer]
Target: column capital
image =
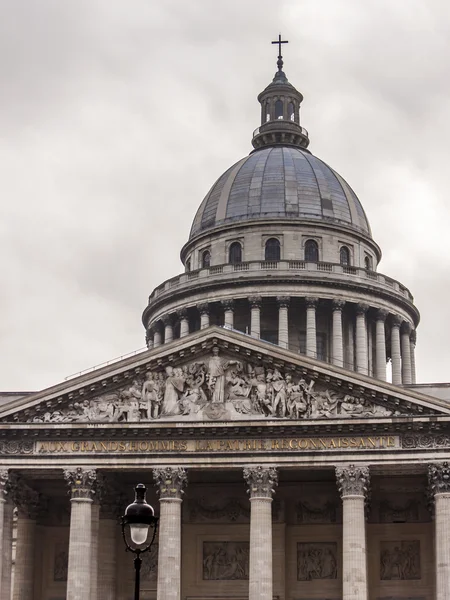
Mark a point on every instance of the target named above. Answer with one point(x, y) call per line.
point(170, 482)
point(255, 301)
point(182, 313)
point(81, 482)
point(228, 304)
point(167, 320)
point(261, 481)
point(156, 326)
point(382, 314)
point(353, 481)
point(438, 478)
point(337, 304)
point(362, 308)
point(283, 301)
point(203, 308)
point(406, 328)
point(311, 302)
point(396, 321)
point(27, 500)
point(5, 489)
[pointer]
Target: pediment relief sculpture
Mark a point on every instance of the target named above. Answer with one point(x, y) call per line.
point(217, 388)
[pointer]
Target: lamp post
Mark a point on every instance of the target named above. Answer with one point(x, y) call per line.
point(139, 526)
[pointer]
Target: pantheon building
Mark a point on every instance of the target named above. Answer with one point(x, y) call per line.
point(281, 462)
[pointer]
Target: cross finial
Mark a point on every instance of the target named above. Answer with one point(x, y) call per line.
point(279, 41)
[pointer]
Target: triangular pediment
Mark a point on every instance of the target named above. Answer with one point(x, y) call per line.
point(217, 375)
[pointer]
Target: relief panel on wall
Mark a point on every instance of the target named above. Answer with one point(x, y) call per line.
point(225, 560)
point(400, 560)
point(316, 560)
point(61, 562)
point(149, 568)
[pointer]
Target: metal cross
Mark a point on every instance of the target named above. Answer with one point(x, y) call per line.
point(279, 41)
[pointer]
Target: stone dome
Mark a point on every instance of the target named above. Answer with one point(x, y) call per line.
point(280, 182)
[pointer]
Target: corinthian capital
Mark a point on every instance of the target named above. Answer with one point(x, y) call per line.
point(26, 499)
point(170, 482)
point(261, 481)
point(81, 482)
point(4, 484)
point(439, 478)
point(353, 481)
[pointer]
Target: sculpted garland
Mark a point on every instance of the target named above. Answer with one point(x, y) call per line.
point(216, 389)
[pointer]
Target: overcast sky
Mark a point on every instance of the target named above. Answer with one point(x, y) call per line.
point(117, 117)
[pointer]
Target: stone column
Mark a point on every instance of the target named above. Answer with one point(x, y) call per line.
point(149, 338)
point(228, 313)
point(406, 352)
point(203, 309)
point(395, 350)
point(439, 488)
point(157, 337)
point(337, 346)
point(95, 527)
point(255, 316)
point(311, 336)
point(353, 484)
point(261, 482)
point(380, 345)
point(111, 506)
point(351, 344)
point(81, 488)
point(413, 340)
point(168, 328)
point(361, 338)
point(27, 503)
point(5, 534)
point(283, 324)
point(170, 483)
point(184, 322)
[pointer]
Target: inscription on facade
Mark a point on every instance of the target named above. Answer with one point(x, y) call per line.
point(400, 560)
point(225, 560)
point(316, 560)
point(375, 442)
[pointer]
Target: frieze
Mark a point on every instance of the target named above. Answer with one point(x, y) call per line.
point(319, 513)
point(226, 560)
point(316, 560)
point(400, 560)
point(232, 510)
point(423, 440)
point(16, 447)
point(218, 388)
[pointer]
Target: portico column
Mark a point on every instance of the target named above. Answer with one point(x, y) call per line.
point(353, 485)
point(27, 503)
point(228, 316)
point(338, 347)
point(157, 335)
point(203, 309)
point(380, 344)
point(395, 350)
point(351, 344)
point(255, 316)
point(149, 338)
point(311, 335)
point(361, 338)
point(95, 526)
point(168, 328)
point(439, 487)
point(184, 322)
point(261, 482)
point(406, 352)
point(283, 325)
point(110, 510)
point(170, 483)
point(6, 514)
point(81, 484)
point(413, 340)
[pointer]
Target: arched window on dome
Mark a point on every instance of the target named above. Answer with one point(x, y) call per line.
point(291, 111)
point(344, 256)
point(206, 259)
point(278, 109)
point(235, 253)
point(311, 251)
point(267, 111)
point(272, 249)
point(368, 263)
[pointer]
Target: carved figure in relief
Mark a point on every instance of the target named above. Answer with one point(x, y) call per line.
point(172, 393)
point(150, 397)
point(400, 560)
point(217, 368)
point(225, 560)
point(316, 561)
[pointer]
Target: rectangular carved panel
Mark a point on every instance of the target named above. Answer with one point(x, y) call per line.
point(316, 560)
point(149, 568)
point(61, 562)
point(400, 560)
point(225, 560)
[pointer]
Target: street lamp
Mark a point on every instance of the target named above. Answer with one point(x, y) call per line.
point(139, 526)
